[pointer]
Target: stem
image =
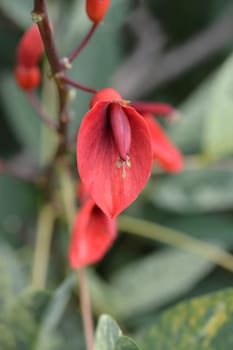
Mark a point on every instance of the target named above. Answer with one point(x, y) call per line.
point(32, 98)
point(42, 246)
point(75, 53)
point(169, 236)
point(40, 16)
point(86, 309)
point(71, 82)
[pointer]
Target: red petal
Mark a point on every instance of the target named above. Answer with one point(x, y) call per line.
point(165, 153)
point(155, 108)
point(97, 156)
point(92, 235)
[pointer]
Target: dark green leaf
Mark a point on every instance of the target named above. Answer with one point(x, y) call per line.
point(194, 191)
point(202, 323)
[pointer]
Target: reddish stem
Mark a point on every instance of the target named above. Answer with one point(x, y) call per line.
point(72, 82)
point(86, 309)
point(75, 53)
point(40, 16)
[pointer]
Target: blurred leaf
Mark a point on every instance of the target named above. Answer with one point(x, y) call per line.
point(218, 127)
point(211, 227)
point(125, 343)
point(22, 319)
point(18, 11)
point(17, 205)
point(194, 191)
point(21, 116)
point(107, 333)
point(13, 278)
point(202, 323)
point(157, 279)
point(54, 313)
point(187, 132)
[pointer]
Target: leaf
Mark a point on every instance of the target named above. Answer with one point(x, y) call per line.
point(157, 279)
point(18, 11)
point(194, 191)
point(214, 227)
point(201, 323)
point(187, 132)
point(218, 124)
point(21, 116)
point(22, 318)
point(17, 205)
point(125, 343)
point(13, 277)
point(54, 313)
point(107, 333)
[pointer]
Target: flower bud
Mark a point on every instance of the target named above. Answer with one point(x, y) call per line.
point(27, 78)
point(96, 9)
point(107, 94)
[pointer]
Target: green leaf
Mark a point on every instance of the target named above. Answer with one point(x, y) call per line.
point(18, 11)
point(125, 343)
point(54, 313)
point(203, 323)
point(21, 116)
point(13, 277)
point(22, 318)
point(194, 191)
point(107, 333)
point(218, 124)
point(157, 279)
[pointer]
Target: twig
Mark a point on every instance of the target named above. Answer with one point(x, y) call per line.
point(86, 308)
point(72, 82)
point(75, 53)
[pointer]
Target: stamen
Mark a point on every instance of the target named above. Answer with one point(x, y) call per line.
point(123, 163)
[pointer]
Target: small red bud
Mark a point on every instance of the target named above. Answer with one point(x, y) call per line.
point(96, 9)
point(107, 94)
point(27, 78)
point(30, 48)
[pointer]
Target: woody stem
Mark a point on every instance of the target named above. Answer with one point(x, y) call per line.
point(77, 85)
point(40, 16)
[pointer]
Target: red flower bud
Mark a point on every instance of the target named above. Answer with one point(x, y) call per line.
point(27, 78)
point(107, 94)
point(30, 48)
point(96, 9)
point(29, 51)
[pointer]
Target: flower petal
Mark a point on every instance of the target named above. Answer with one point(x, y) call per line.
point(92, 235)
point(97, 158)
point(165, 153)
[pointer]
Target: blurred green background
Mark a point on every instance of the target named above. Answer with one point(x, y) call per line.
point(177, 52)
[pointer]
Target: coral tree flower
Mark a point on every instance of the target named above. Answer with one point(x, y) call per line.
point(92, 235)
point(29, 51)
point(114, 152)
point(165, 153)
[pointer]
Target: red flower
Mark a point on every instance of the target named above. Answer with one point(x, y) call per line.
point(92, 235)
point(29, 51)
point(114, 152)
point(165, 153)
